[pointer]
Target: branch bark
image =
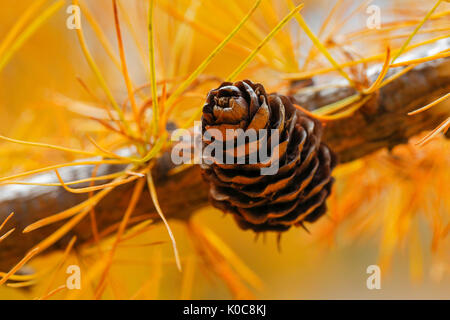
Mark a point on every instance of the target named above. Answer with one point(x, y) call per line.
point(382, 122)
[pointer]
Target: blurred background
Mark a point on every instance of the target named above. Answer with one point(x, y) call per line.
point(388, 209)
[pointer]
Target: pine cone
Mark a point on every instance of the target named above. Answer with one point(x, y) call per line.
point(298, 191)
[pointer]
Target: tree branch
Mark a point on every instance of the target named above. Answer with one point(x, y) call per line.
point(382, 122)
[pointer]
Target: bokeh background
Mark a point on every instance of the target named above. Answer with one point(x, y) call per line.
point(41, 100)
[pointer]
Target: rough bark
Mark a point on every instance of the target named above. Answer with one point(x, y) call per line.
point(381, 123)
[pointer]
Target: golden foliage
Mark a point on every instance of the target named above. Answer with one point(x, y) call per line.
point(74, 81)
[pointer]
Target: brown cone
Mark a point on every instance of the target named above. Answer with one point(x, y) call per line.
point(298, 191)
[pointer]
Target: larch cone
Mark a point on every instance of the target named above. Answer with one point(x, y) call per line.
point(298, 190)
